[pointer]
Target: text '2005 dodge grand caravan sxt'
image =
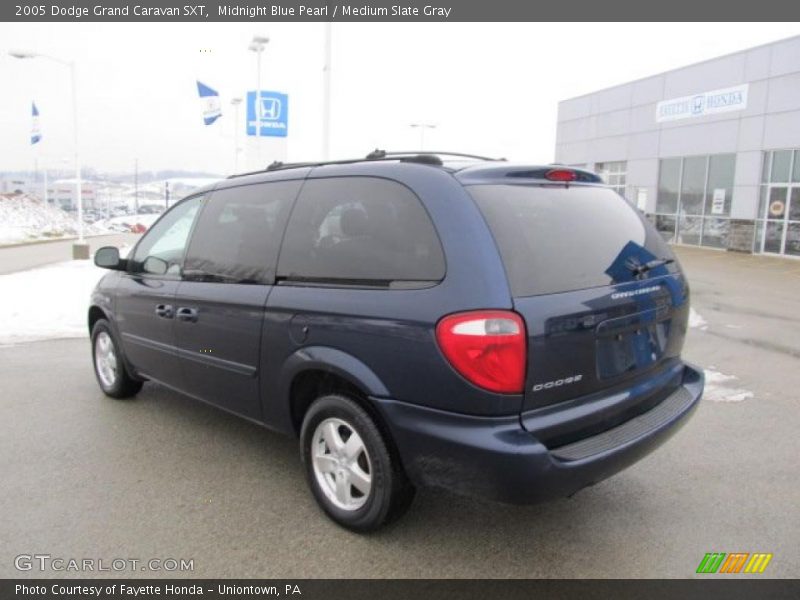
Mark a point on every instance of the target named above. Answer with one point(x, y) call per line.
point(506, 331)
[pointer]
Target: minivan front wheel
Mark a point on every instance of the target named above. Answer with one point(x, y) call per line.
point(109, 367)
point(352, 474)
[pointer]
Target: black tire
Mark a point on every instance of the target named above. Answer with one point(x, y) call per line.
point(123, 385)
point(391, 492)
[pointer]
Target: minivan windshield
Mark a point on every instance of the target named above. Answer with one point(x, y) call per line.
point(557, 238)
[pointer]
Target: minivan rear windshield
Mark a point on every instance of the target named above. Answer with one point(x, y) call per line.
point(561, 238)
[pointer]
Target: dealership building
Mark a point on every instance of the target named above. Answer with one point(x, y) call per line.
point(710, 152)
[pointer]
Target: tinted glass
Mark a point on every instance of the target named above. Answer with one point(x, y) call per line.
point(765, 167)
point(689, 230)
point(666, 227)
point(668, 179)
point(794, 205)
point(693, 185)
point(777, 203)
point(165, 242)
point(796, 167)
point(762, 202)
point(793, 239)
point(360, 231)
point(772, 236)
point(781, 164)
point(715, 232)
point(721, 168)
point(239, 232)
point(556, 239)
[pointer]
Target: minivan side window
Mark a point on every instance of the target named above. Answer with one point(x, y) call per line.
point(360, 231)
point(238, 234)
point(161, 250)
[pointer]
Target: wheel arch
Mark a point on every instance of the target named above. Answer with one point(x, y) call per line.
point(314, 371)
point(95, 314)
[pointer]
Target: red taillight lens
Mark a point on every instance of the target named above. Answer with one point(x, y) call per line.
point(560, 175)
point(487, 347)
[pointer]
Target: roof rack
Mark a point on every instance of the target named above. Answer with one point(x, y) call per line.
point(380, 154)
point(427, 158)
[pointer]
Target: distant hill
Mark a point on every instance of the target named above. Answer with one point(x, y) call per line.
point(92, 174)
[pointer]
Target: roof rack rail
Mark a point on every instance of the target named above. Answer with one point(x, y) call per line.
point(383, 154)
point(426, 158)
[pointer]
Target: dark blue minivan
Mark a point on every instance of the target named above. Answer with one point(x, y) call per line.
point(500, 330)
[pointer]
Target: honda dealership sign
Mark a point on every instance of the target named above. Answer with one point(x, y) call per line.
point(269, 116)
point(699, 105)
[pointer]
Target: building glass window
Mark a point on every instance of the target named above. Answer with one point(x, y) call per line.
point(614, 174)
point(721, 169)
point(778, 219)
point(693, 185)
point(669, 179)
point(781, 164)
point(694, 199)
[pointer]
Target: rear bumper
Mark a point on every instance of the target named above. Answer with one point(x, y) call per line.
point(497, 459)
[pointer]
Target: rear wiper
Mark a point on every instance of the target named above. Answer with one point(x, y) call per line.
point(641, 269)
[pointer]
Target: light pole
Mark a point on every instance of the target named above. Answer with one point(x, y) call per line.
point(136, 186)
point(236, 102)
point(326, 94)
point(257, 45)
point(422, 127)
point(79, 249)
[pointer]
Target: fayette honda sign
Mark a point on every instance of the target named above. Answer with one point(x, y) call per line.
point(269, 117)
point(699, 105)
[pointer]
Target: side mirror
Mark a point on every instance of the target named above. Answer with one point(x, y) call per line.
point(107, 257)
point(155, 265)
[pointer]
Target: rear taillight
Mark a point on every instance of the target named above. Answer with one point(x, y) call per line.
point(487, 347)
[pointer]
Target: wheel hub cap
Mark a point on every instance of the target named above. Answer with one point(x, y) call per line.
point(341, 464)
point(105, 359)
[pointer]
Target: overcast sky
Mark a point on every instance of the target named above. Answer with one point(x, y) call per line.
point(490, 88)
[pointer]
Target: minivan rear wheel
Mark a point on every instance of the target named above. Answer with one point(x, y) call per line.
point(109, 368)
point(352, 473)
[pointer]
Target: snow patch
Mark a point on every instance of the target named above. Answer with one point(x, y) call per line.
point(48, 302)
point(719, 389)
point(696, 321)
point(24, 218)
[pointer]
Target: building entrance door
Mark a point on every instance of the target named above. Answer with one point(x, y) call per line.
point(781, 234)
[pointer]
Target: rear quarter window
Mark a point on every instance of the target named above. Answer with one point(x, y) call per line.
point(561, 238)
point(360, 231)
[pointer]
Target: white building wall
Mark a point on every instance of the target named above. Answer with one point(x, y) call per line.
point(619, 123)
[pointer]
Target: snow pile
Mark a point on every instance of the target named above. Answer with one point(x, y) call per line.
point(697, 321)
point(24, 218)
point(719, 389)
point(48, 302)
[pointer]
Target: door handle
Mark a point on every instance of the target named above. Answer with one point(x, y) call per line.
point(164, 310)
point(187, 313)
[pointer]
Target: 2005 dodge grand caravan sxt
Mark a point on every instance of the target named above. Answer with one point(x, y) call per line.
point(507, 331)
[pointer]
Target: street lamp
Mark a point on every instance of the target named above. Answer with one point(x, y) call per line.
point(422, 127)
point(326, 92)
point(80, 249)
point(235, 102)
point(257, 45)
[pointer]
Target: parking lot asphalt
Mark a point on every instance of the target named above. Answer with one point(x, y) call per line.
point(162, 476)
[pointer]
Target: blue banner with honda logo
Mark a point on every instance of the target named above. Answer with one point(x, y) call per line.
point(267, 115)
